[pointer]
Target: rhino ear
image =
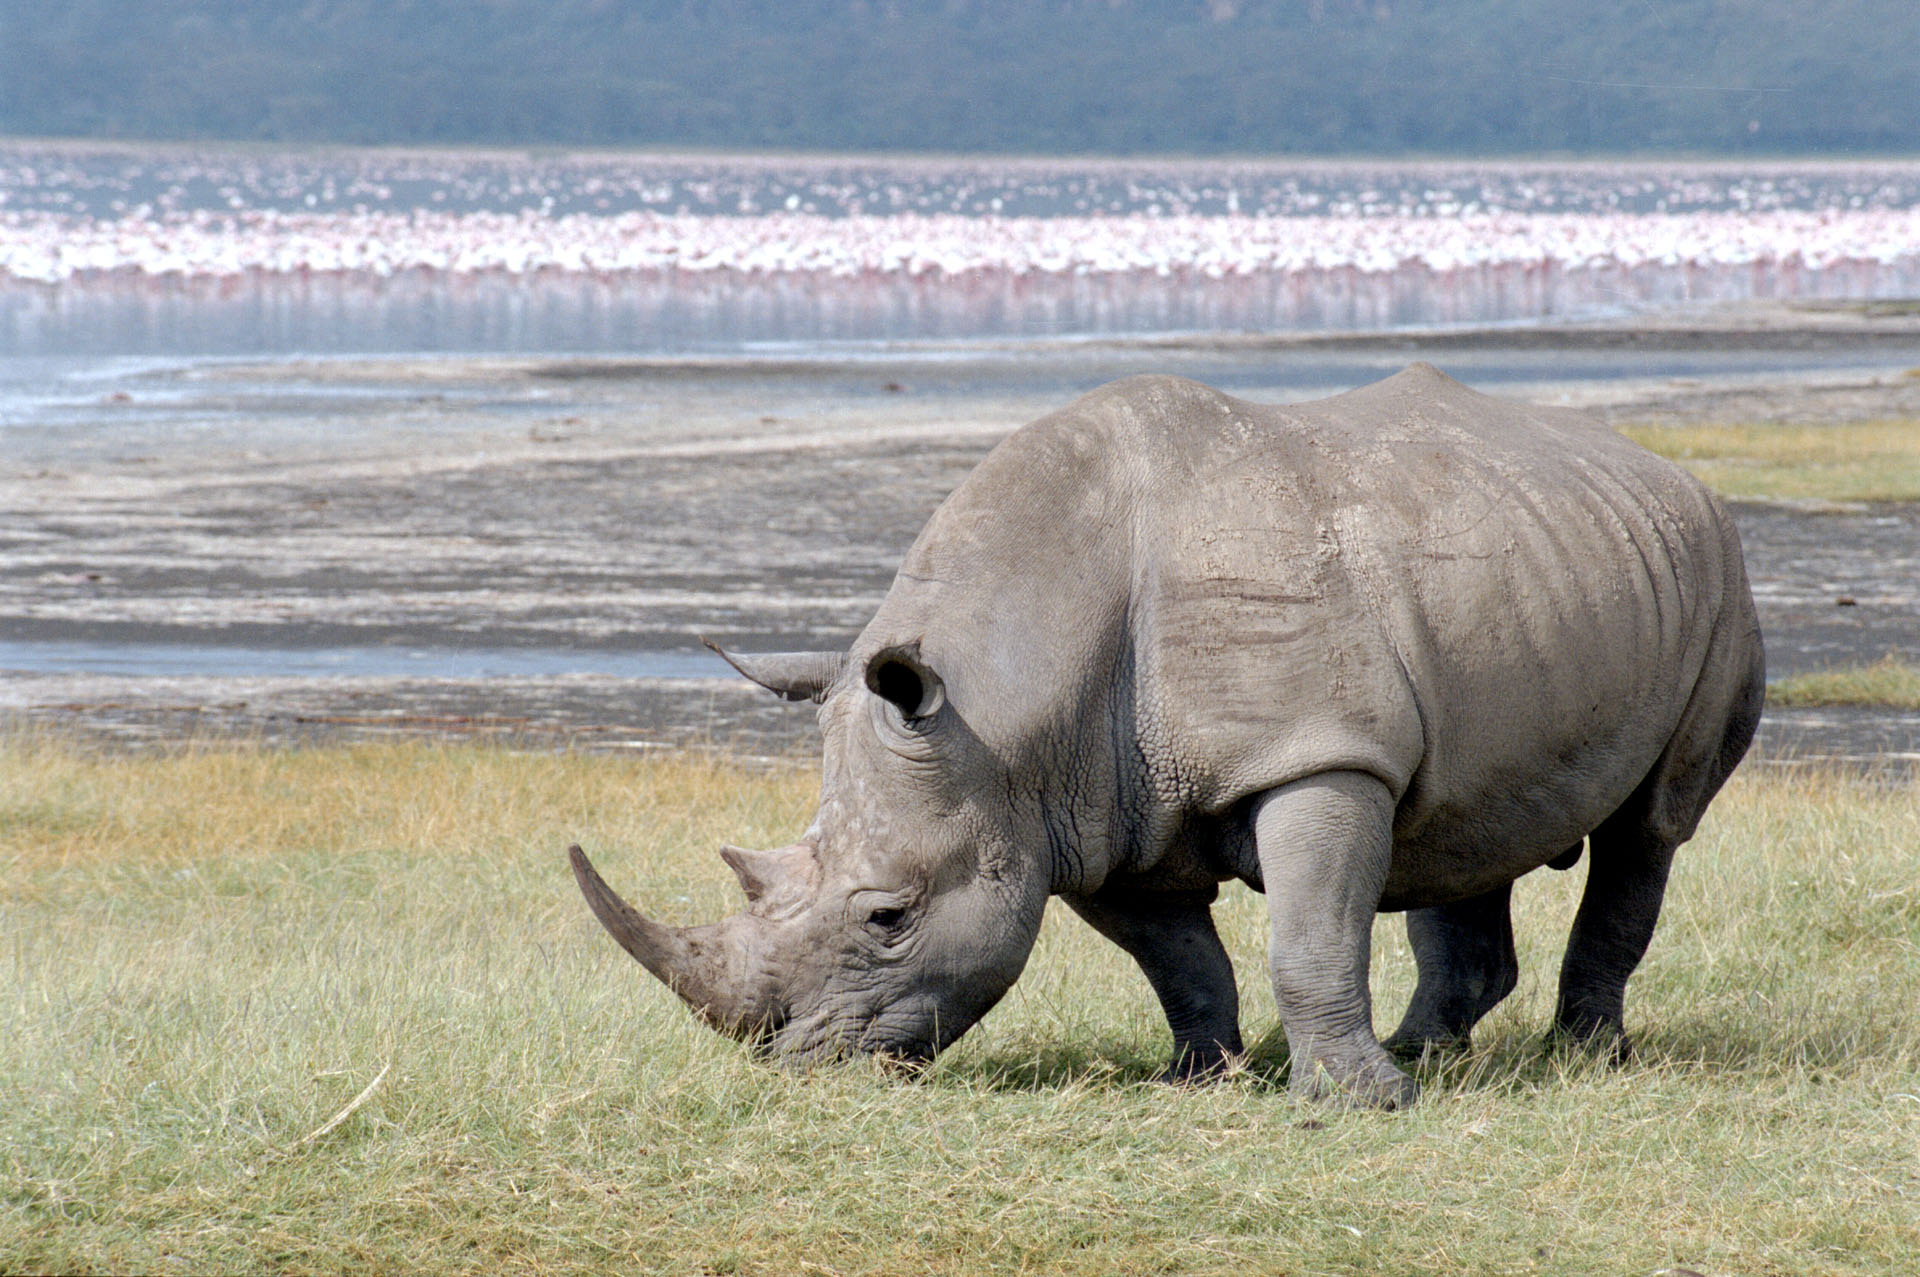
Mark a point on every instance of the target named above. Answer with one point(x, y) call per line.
point(797, 676)
point(898, 675)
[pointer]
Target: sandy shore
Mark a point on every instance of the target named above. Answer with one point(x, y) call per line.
point(600, 507)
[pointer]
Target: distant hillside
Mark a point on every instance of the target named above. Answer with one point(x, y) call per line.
point(1115, 76)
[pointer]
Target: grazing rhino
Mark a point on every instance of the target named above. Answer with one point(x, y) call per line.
point(1385, 651)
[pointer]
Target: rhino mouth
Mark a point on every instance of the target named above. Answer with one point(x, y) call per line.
point(808, 1041)
point(908, 1054)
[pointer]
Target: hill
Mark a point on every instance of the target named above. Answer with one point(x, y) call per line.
point(1057, 76)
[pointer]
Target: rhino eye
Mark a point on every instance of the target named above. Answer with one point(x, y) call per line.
point(887, 918)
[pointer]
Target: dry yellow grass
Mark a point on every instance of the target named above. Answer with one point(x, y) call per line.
point(67, 806)
point(1863, 461)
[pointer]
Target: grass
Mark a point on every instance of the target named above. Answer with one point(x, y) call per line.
point(209, 955)
point(1859, 461)
point(1889, 681)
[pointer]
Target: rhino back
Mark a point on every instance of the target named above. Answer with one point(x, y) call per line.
point(1500, 610)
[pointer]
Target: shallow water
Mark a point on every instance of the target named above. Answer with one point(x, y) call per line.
point(188, 659)
point(86, 409)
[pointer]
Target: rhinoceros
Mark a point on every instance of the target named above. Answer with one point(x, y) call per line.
point(1389, 651)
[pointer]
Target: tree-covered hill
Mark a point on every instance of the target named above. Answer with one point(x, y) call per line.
point(1363, 76)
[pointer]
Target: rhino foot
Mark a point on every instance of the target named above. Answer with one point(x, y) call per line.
point(1596, 1036)
point(1374, 1084)
point(1197, 1068)
point(1414, 1045)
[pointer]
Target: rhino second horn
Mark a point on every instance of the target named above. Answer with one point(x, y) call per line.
point(689, 960)
point(787, 872)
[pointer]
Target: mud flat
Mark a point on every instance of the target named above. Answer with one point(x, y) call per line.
point(531, 549)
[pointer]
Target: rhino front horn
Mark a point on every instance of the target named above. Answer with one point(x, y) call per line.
point(692, 961)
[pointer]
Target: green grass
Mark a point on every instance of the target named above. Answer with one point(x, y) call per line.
point(1889, 681)
point(209, 955)
point(1857, 461)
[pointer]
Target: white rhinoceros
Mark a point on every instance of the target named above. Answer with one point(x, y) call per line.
point(1385, 651)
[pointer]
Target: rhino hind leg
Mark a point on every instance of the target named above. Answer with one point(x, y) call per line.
point(1325, 843)
point(1626, 883)
point(1173, 939)
point(1464, 950)
point(1631, 852)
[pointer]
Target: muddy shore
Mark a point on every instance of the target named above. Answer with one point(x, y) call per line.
point(598, 511)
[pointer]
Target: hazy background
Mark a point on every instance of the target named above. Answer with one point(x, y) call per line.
point(1051, 76)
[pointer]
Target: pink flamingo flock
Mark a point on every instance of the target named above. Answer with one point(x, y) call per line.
point(1451, 247)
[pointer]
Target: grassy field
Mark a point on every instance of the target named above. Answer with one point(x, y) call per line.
point(210, 955)
point(1854, 461)
point(1889, 681)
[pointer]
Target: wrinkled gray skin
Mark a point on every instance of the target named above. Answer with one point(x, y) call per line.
point(1386, 651)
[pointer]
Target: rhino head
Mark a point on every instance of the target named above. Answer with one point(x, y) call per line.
point(897, 920)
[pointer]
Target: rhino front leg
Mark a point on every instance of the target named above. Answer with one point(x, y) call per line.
point(1325, 843)
point(1173, 939)
point(1467, 965)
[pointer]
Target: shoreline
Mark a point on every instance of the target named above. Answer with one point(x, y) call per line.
point(1866, 329)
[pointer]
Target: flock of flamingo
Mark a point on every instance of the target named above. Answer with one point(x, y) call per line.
point(276, 224)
